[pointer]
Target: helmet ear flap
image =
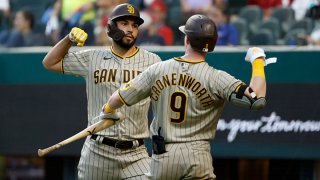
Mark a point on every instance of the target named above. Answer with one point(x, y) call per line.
point(114, 32)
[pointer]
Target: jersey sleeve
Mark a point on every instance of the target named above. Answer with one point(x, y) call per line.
point(76, 63)
point(223, 84)
point(137, 89)
point(155, 58)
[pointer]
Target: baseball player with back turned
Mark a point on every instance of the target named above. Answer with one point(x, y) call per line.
point(117, 152)
point(188, 97)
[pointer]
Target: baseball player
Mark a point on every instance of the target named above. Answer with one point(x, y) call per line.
point(188, 97)
point(117, 152)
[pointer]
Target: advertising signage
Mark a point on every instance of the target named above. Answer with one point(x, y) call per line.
point(288, 127)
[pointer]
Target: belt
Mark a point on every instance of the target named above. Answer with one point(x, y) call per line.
point(123, 145)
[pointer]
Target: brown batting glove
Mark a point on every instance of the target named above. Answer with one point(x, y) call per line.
point(78, 36)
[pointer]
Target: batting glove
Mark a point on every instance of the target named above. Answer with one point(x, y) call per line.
point(256, 52)
point(107, 113)
point(78, 36)
point(113, 116)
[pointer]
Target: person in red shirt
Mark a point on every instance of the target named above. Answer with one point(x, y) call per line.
point(158, 12)
point(268, 5)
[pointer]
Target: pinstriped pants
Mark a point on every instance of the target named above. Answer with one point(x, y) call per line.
point(103, 162)
point(189, 160)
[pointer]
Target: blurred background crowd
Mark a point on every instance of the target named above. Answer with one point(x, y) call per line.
point(25, 23)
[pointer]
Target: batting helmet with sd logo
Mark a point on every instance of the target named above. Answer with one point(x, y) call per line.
point(202, 33)
point(122, 11)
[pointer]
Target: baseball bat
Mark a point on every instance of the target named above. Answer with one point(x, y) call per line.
point(94, 128)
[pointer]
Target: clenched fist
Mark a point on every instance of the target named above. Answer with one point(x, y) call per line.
point(255, 52)
point(78, 36)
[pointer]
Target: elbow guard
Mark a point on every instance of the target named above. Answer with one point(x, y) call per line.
point(238, 98)
point(258, 104)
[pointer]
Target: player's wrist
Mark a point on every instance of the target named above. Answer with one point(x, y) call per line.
point(108, 109)
point(258, 67)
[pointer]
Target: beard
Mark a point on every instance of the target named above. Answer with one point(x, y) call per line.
point(125, 45)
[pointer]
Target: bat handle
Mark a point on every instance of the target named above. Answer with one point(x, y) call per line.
point(43, 152)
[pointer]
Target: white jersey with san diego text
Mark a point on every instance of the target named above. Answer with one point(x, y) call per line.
point(104, 72)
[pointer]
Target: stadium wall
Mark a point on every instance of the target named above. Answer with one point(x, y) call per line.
point(39, 108)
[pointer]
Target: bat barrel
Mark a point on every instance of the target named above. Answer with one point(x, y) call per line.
point(97, 127)
point(41, 152)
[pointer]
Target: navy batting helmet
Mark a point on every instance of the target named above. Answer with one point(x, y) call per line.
point(122, 11)
point(202, 33)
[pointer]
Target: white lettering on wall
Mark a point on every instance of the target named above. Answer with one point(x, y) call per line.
point(271, 124)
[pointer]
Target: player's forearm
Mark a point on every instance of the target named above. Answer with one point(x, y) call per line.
point(52, 61)
point(115, 101)
point(259, 86)
point(258, 80)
